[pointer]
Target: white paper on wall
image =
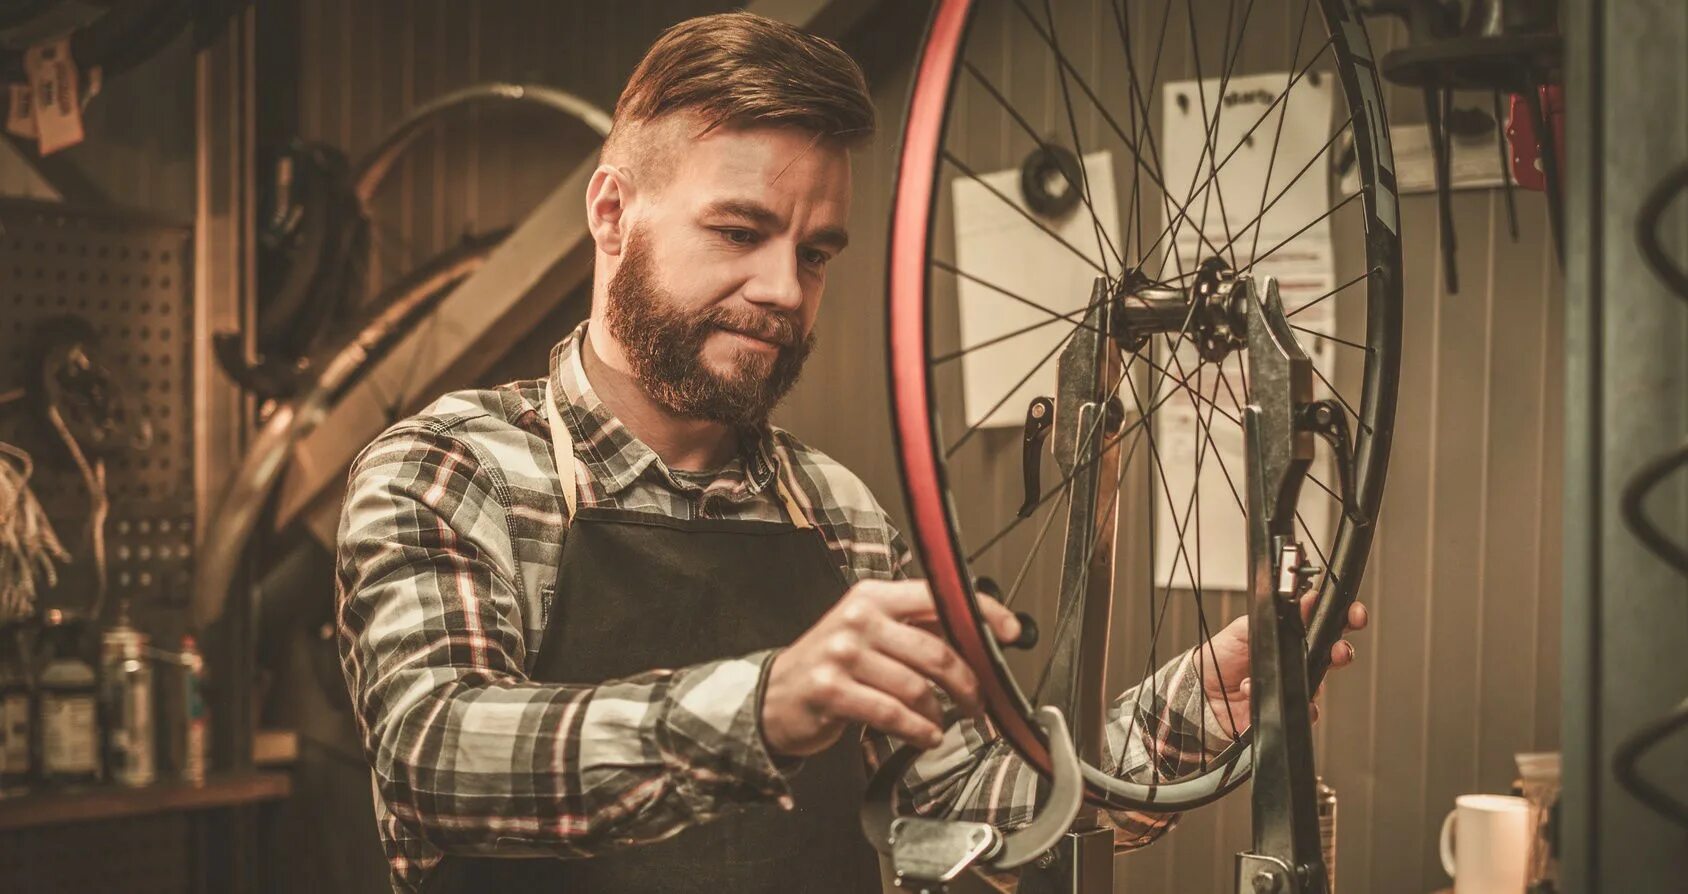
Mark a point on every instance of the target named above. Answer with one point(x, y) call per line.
point(996, 244)
point(1303, 266)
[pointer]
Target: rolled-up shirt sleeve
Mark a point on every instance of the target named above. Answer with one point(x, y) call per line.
point(469, 754)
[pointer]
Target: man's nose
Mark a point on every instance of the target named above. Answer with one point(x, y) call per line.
point(776, 282)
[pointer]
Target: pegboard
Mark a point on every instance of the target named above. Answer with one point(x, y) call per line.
point(129, 277)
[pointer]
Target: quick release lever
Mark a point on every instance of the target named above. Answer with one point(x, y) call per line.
point(1326, 419)
point(1040, 418)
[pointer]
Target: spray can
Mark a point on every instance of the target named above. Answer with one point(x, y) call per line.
point(126, 704)
point(195, 732)
point(183, 724)
point(68, 703)
point(1327, 830)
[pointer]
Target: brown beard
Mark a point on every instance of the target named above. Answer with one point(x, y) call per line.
point(664, 347)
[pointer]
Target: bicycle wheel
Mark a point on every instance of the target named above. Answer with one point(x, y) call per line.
point(1228, 73)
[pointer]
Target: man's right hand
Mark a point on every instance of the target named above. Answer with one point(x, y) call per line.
point(872, 659)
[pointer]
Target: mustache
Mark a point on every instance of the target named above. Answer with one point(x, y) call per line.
point(779, 329)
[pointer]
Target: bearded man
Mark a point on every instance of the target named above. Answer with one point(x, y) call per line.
point(609, 630)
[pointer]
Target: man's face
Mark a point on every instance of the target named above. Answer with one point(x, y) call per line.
point(720, 279)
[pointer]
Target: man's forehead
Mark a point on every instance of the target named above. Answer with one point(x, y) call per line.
point(778, 167)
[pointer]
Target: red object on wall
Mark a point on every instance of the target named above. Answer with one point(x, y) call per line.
point(1524, 143)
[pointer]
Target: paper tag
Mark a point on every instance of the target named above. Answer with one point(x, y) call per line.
point(20, 112)
point(58, 108)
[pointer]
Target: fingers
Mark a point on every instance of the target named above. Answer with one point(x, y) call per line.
point(864, 704)
point(1001, 620)
point(883, 620)
point(1358, 617)
point(896, 680)
point(1342, 654)
point(928, 656)
point(911, 603)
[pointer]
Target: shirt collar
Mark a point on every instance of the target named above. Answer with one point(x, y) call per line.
point(616, 458)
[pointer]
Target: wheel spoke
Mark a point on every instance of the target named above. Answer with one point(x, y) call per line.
point(1072, 126)
point(1253, 224)
point(1366, 275)
point(1277, 137)
point(1324, 560)
point(1194, 395)
point(1083, 191)
point(1293, 236)
point(1054, 314)
point(1207, 430)
point(1340, 399)
point(1113, 123)
point(1341, 341)
point(1325, 487)
point(974, 428)
point(973, 176)
point(1210, 130)
point(1031, 555)
point(1235, 401)
point(1241, 141)
point(1179, 526)
point(1077, 469)
point(942, 359)
point(1209, 150)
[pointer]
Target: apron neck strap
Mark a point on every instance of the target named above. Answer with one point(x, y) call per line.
point(562, 451)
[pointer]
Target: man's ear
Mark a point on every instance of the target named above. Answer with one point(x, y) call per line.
point(607, 197)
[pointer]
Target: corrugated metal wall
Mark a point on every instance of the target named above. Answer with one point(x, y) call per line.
point(1460, 668)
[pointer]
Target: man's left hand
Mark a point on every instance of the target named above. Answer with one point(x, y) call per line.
point(1225, 666)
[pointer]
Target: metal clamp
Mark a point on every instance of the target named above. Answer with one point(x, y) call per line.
point(927, 854)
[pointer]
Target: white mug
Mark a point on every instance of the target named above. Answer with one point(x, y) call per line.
point(1486, 844)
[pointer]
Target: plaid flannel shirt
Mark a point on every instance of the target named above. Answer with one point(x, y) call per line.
point(448, 546)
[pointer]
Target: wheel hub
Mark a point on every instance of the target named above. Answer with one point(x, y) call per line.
point(1211, 311)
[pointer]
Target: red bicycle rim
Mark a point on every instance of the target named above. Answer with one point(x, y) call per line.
point(924, 478)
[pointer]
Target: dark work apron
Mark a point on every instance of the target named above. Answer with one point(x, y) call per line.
point(637, 591)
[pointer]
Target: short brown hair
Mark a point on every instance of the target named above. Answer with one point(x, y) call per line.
point(741, 69)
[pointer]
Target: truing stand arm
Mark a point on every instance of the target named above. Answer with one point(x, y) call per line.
point(927, 854)
point(1286, 855)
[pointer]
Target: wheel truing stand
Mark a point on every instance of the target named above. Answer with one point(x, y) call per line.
point(1071, 845)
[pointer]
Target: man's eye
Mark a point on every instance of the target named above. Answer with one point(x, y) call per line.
point(738, 236)
point(814, 257)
